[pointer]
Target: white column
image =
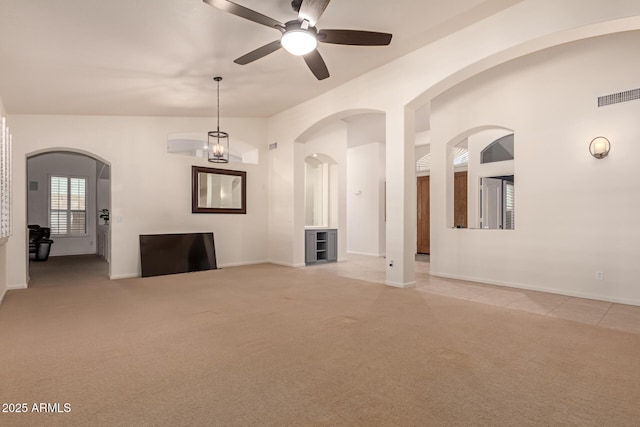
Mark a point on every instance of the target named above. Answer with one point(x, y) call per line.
point(400, 197)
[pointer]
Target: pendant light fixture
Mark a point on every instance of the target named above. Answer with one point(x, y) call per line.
point(218, 141)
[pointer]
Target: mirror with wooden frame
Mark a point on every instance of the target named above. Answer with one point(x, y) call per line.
point(218, 191)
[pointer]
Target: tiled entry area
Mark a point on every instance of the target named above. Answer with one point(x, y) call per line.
point(599, 313)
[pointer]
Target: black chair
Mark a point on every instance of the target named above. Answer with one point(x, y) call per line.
point(39, 242)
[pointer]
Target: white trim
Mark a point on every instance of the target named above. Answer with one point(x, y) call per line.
point(365, 254)
point(124, 276)
point(286, 264)
point(4, 292)
point(585, 295)
point(71, 253)
point(68, 210)
point(16, 287)
point(220, 266)
point(407, 285)
point(242, 263)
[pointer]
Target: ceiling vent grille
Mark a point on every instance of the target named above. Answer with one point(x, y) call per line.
point(616, 98)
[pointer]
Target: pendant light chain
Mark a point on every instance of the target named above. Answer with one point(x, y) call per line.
point(217, 79)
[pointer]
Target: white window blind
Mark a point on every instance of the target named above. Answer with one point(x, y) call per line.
point(68, 205)
point(510, 206)
point(460, 158)
point(5, 180)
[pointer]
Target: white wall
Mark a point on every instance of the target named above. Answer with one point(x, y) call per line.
point(39, 169)
point(150, 188)
point(103, 188)
point(365, 199)
point(575, 215)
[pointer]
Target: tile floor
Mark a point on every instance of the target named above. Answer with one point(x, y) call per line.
point(599, 313)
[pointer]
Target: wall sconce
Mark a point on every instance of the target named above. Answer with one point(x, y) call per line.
point(600, 147)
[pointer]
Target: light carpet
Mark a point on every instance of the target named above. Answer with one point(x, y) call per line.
point(266, 345)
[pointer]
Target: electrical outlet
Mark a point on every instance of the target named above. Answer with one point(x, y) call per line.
point(600, 275)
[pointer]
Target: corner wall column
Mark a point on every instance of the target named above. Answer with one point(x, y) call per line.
point(400, 197)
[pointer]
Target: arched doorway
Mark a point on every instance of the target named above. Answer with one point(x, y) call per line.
point(354, 141)
point(68, 206)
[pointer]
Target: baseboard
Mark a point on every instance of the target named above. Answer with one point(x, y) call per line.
point(242, 263)
point(286, 264)
point(585, 295)
point(228, 265)
point(72, 254)
point(123, 276)
point(407, 285)
point(10, 288)
point(365, 254)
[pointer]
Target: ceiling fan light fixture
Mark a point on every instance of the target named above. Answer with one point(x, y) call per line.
point(300, 36)
point(299, 41)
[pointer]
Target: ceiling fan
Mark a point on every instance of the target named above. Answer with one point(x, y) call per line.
point(300, 36)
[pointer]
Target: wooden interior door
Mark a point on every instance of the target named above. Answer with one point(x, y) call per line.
point(424, 232)
point(460, 200)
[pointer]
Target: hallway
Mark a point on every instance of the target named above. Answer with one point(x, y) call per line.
point(75, 270)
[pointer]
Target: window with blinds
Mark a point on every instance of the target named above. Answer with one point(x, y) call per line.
point(68, 205)
point(509, 205)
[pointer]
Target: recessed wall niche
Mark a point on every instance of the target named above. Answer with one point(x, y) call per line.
point(320, 190)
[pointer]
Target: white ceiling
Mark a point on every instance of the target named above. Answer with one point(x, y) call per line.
point(158, 57)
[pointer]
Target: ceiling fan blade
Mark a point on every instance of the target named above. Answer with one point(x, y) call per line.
point(312, 10)
point(259, 53)
point(354, 37)
point(316, 64)
point(243, 12)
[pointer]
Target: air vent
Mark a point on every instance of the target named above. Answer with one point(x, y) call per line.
point(273, 146)
point(616, 98)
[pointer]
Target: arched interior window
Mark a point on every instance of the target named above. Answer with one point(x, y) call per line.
point(498, 151)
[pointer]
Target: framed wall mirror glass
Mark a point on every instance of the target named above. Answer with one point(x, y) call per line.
point(218, 191)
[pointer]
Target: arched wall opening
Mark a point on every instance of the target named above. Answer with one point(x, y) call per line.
point(350, 146)
point(68, 191)
point(467, 202)
point(320, 124)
